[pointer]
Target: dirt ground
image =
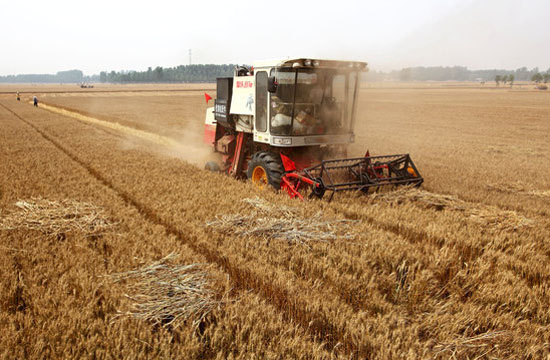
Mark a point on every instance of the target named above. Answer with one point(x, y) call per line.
point(459, 269)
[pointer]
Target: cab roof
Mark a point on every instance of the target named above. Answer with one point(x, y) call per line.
point(310, 63)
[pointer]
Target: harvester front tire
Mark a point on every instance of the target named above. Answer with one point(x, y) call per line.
point(265, 168)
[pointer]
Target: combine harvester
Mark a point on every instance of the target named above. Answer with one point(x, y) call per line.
point(287, 124)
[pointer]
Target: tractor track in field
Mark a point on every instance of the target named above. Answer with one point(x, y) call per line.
point(292, 309)
point(403, 231)
point(438, 242)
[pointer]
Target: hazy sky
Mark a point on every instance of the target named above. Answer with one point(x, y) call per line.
point(48, 36)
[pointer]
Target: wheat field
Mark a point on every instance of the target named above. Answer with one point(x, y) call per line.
point(115, 245)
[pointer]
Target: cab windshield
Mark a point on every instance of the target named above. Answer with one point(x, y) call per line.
point(312, 101)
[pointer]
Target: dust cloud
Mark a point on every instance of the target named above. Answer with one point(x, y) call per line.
point(188, 147)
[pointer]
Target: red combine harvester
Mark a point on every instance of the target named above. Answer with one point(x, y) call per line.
point(287, 124)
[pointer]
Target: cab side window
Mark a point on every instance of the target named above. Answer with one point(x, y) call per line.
point(261, 101)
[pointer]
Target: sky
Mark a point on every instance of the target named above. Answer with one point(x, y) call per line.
point(55, 35)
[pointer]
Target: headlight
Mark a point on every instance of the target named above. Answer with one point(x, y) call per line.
point(296, 64)
point(307, 62)
point(283, 141)
point(316, 63)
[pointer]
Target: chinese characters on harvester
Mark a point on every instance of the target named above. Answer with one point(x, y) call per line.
point(244, 84)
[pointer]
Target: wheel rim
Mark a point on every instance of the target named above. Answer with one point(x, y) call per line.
point(259, 177)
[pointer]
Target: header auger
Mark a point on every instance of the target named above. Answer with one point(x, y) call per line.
point(287, 124)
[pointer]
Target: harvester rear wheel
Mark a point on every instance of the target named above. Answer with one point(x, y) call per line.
point(265, 168)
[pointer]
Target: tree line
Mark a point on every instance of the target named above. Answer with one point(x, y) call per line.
point(183, 73)
point(69, 76)
point(536, 78)
point(505, 79)
point(209, 73)
point(541, 77)
point(452, 73)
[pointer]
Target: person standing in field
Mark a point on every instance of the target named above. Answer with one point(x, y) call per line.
point(35, 100)
point(18, 97)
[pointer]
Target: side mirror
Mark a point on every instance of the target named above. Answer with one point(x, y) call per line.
point(272, 84)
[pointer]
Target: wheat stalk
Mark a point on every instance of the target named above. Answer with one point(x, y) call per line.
point(282, 223)
point(57, 217)
point(166, 294)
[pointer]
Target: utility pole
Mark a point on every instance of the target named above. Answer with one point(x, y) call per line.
point(189, 56)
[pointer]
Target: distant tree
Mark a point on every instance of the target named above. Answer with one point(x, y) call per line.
point(159, 75)
point(103, 76)
point(537, 78)
point(498, 79)
point(70, 76)
point(511, 79)
point(504, 79)
point(546, 77)
point(406, 74)
point(521, 73)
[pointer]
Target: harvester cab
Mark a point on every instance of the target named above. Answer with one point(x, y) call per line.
point(287, 124)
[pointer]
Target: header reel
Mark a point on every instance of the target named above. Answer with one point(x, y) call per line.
point(369, 173)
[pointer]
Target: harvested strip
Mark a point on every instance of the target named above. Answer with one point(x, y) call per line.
point(487, 215)
point(166, 294)
point(145, 135)
point(281, 223)
point(57, 217)
point(193, 152)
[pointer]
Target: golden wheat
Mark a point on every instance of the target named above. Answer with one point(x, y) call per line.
point(459, 268)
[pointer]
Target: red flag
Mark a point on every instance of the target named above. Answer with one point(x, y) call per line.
point(207, 98)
